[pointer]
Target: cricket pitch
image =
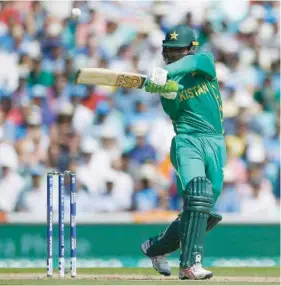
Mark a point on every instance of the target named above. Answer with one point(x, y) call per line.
point(140, 276)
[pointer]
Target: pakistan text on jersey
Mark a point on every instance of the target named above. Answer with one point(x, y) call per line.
point(193, 92)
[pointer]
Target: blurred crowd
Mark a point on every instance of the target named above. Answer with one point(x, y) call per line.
point(117, 140)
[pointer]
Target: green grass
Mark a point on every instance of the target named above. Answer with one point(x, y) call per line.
point(219, 272)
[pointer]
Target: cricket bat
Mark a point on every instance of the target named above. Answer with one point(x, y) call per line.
point(98, 76)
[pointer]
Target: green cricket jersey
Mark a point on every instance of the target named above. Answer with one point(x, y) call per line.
point(198, 107)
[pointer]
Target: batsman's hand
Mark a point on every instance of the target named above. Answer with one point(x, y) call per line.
point(169, 86)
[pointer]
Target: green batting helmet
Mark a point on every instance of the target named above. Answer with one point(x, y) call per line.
point(180, 36)
point(179, 42)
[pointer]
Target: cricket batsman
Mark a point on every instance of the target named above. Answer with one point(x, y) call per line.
point(197, 153)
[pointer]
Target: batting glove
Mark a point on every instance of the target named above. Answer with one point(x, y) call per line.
point(170, 86)
point(159, 76)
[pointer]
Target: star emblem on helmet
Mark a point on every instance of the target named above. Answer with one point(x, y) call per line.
point(174, 36)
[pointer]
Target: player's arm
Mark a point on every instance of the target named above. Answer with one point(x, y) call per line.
point(202, 64)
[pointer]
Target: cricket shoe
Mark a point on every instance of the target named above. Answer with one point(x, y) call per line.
point(159, 263)
point(195, 272)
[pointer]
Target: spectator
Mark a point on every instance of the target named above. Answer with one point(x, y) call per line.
point(109, 143)
point(33, 196)
point(32, 148)
point(160, 136)
point(106, 201)
point(229, 201)
point(22, 89)
point(83, 197)
point(24, 112)
point(40, 100)
point(146, 197)
point(101, 118)
point(261, 199)
point(142, 152)
point(83, 115)
point(61, 88)
point(123, 187)
point(54, 62)
point(91, 171)
point(235, 165)
point(40, 76)
point(140, 112)
point(7, 128)
point(11, 182)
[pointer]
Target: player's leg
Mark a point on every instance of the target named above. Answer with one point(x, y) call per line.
point(157, 247)
point(199, 197)
point(166, 242)
point(197, 202)
point(215, 162)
